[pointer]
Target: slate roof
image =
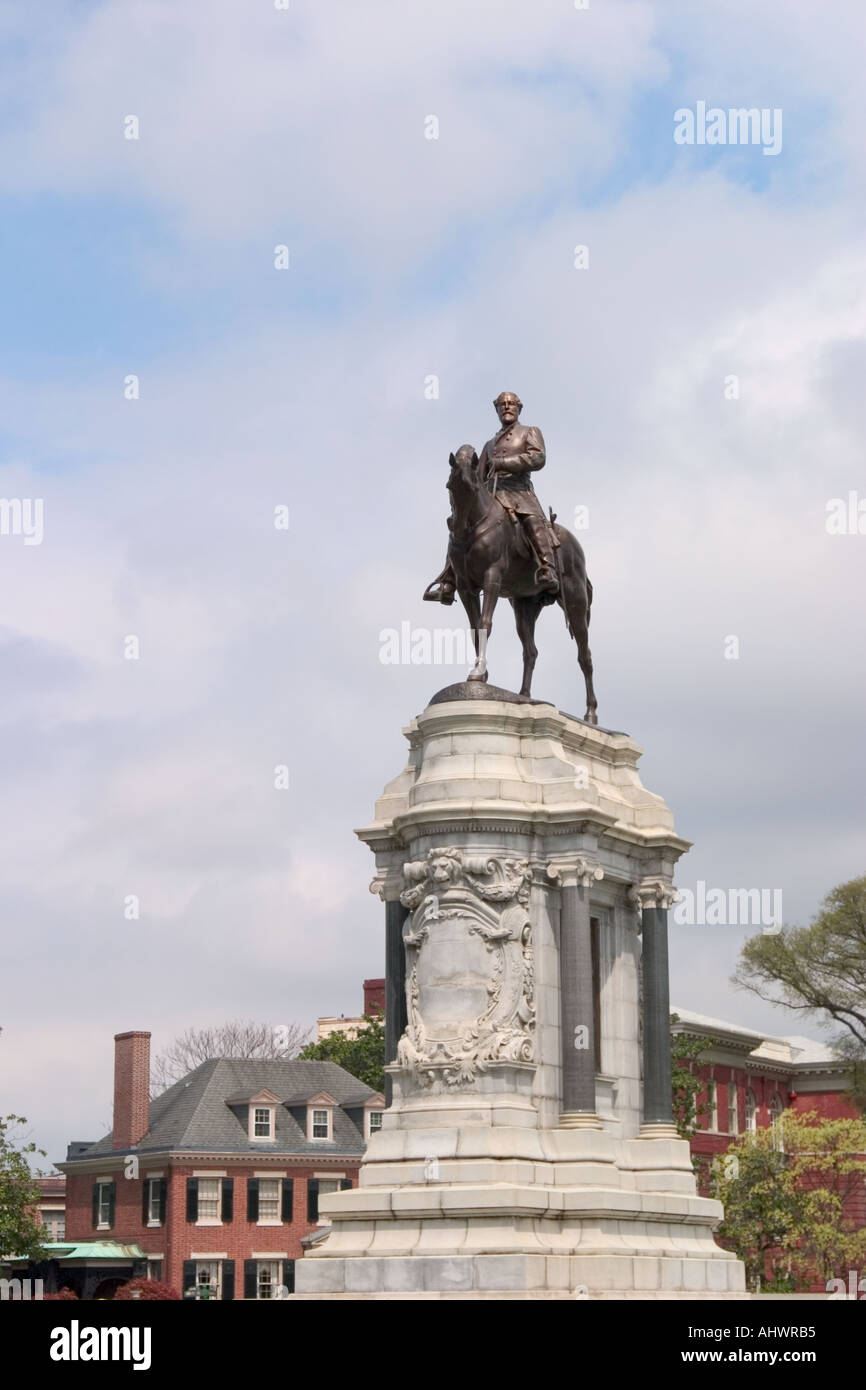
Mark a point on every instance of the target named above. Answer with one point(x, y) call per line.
point(793, 1050)
point(193, 1115)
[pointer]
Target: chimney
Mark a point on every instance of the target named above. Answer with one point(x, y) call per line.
point(374, 997)
point(131, 1089)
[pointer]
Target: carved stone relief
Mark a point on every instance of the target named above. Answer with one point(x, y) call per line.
point(469, 966)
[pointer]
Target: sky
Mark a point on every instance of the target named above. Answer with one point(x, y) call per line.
point(165, 388)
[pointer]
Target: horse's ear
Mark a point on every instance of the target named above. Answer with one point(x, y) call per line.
point(452, 460)
point(474, 459)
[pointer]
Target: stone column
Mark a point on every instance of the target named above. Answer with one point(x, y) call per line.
point(654, 898)
point(577, 1012)
point(395, 984)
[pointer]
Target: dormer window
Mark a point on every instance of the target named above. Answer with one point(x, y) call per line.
point(374, 1114)
point(321, 1121)
point(261, 1117)
point(320, 1116)
point(263, 1122)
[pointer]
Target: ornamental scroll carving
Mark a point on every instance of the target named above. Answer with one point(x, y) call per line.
point(469, 966)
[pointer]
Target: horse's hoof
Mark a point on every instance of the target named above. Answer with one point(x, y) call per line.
point(473, 677)
point(590, 717)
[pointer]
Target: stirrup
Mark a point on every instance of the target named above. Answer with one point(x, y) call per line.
point(445, 592)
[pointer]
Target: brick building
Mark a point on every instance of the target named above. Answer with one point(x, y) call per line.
point(374, 1003)
point(750, 1078)
point(52, 1206)
point(213, 1185)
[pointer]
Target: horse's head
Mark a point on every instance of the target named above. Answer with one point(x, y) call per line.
point(464, 465)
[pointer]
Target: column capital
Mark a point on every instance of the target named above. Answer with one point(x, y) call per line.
point(386, 886)
point(569, 873)
point(652, 892)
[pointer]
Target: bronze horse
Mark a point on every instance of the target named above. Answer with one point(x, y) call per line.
point(489, 553)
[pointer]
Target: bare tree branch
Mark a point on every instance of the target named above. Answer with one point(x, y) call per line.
point(236, 1038)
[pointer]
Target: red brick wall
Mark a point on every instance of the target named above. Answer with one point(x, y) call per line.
point(178, 1238)
point(374, 996)
point(131, 1088)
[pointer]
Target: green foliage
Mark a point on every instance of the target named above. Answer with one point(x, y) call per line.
point(363, 1056)
point(763, 1209)
point(828, 1162)
point(20, 1231)
point(687, 1051)
point(789, 1194)
point(818, 971)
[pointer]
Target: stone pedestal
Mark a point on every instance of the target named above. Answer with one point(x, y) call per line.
point(522, 1154)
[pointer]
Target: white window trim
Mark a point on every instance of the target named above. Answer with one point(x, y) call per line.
point(712, 1097)
point(271, 1220)
point(212, 1220)
point(218, 1286)
point(150, 1180)
point(374, 1105)
point(320, 1138)
point(751, 1120)
point(271, 1260)
point(100, 1224)
point(733, 1108)
point(270, 1137)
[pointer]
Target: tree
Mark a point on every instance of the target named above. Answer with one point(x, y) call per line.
point(828, 1162)
point(791, 1194)
point(20, 1231)
point(763, 1209)
point(265, 1041)
point(363, 1056)
point(687, 1050)
point(819, 970)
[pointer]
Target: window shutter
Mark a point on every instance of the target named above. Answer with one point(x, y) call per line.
point(112, 1195)
point(145, 1200)
point(188, 1275)
point(312, 1199)
point(289, 1275)
point(192, 1199)
point(287, 1209)
point(163, 1190)
point(227, 1205)
point(228, 1280)
point(251, 1272)
point(252, 1204)
point(95, 1205)
point(345, 1184)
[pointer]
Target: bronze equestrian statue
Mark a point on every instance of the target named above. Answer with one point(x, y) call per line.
point(501, 543)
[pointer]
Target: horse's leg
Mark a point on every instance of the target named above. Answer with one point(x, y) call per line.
point(575, 602)
point(492, 585)
point(472, 604)
point(526, 611)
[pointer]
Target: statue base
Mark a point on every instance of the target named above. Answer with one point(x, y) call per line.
point(492, 1176)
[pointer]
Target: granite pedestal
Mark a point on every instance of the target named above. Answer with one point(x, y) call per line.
point(527, 1151)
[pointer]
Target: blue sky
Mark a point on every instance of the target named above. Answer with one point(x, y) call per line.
point(409, 257)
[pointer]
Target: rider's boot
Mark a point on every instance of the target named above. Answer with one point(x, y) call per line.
point(545, 575)
point(441, 590)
